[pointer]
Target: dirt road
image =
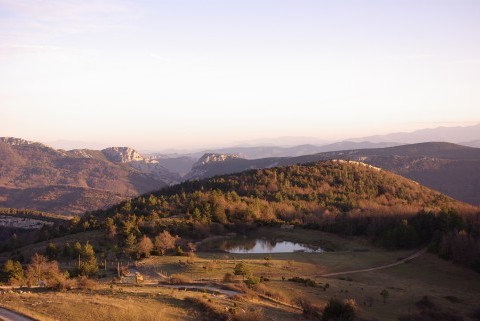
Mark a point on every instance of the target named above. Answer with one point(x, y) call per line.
point(411, 257)
point(8, 315)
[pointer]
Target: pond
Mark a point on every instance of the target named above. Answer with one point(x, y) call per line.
point(249, 246)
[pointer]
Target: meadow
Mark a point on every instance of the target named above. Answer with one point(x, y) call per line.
point(449, 288)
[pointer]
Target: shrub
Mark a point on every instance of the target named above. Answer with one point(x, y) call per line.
point(179, 251)
point(309, 309)
point(83, 282)
point(252, 280)
point(306, 282)
point(241, 269)
point(180, 279)
point(63, 284)
point(339, 311)
point(229, 278)
point(384, 295)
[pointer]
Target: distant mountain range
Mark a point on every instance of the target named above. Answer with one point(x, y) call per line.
point(275, 151)
point(473, 143)
point(468, 136)
point(458, 135)
point(36, 176)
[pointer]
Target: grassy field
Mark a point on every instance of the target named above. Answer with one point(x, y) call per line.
point(449, 287)
point(121, 303)
point(453, 288)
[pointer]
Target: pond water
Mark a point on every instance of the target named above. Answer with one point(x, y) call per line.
point(245, 246)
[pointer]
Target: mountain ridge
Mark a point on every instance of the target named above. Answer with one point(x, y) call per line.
point(33, 175)
point(423, 162)
point(456, 134)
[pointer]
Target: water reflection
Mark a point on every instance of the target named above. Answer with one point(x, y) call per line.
point(266, 246)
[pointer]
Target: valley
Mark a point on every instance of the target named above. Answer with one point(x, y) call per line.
point(377, 244)
point(35, 176)
point(239, 160)
point(223, 237)
point(452, 290)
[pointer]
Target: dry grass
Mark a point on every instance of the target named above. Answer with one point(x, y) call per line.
point(180, 279)
point(96, 305)
point(406, 283)
point(249, 315)
point(455, 289)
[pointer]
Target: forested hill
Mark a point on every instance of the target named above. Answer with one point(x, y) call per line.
point(298, 194)
point(448, 168)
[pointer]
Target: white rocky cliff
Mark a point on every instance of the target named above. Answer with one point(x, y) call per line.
point(127, 155)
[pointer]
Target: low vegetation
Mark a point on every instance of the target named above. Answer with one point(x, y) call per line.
point(150, 245)
point(333, 196)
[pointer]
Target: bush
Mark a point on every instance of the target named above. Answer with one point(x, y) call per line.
point(180, 279)
point(228, 278)
point(179, 251)
point(241, 269)
point(306, 282)
point(83, 282)
point(339, 311)
point(252, 281)
point(64, 285)
point(310, 311)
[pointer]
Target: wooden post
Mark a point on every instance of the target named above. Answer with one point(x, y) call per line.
point(118, 268)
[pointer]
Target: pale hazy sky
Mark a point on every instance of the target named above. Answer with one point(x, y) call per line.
point(162, 74)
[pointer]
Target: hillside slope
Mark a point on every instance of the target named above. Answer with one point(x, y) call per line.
point(449, 168)
point(36, 176)
point(297, 193)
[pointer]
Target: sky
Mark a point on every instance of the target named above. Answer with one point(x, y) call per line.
point(183, 74)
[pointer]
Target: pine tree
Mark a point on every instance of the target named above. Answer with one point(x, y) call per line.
point(13, 272)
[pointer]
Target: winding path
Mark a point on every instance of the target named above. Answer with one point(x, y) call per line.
point(402, 261)
point(193, 287)
point(9, 315)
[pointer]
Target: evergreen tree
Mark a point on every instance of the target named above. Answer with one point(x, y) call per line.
point(13, 272)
